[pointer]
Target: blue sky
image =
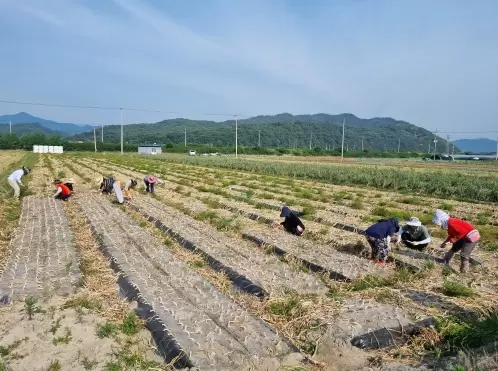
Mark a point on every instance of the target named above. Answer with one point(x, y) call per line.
point(433, 63)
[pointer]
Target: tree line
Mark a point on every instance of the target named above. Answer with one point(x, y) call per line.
point(27, 141)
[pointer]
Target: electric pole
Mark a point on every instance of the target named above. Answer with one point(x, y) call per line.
point(95, 139)
point(311, 138)
point(259, 138)
point(236, 137)
point(10, 126)
point(361, 144)
point(399, 144)
point(185, 136)
point(435, 144)
point(496, 148)
point(448, 144)
point(342, 148)
point(121, 114)
point(102, 133)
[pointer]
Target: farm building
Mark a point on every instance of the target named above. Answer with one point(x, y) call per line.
point(149, 149)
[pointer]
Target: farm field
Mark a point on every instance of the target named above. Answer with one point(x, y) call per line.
point(215, 286)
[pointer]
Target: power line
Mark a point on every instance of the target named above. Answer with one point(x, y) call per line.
point(121, 108)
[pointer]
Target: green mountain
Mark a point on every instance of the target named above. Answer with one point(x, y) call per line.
point(21, 129)
point(283, 130)
point(64, 129)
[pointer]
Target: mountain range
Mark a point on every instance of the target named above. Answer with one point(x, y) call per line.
point(22, 122)
point(281, 130)
point(479, 145)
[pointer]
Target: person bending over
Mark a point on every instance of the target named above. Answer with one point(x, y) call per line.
point(461, 234)
point(379, 238)
point(63, 192)
point(14, 180)
point(414, 235)
point(291, 223)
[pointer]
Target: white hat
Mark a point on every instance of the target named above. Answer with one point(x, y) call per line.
point(414, 222)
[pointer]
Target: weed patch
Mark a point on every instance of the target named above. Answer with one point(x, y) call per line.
point(457, 289)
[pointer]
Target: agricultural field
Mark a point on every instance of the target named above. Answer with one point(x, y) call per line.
point(196, 275)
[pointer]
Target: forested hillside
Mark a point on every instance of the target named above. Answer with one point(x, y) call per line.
point(284, 130)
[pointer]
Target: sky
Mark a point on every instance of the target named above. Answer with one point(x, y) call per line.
point(431, 63)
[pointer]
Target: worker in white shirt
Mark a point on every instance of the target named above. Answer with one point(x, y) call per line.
point(15, 180)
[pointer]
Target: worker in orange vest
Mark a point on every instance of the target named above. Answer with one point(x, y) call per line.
point(63, 192)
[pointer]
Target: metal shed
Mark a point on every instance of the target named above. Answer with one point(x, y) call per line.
point(149, 149)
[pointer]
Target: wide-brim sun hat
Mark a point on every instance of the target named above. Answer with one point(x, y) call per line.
point(151, 179)
point(414, 222)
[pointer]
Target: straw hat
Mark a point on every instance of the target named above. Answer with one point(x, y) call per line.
point(151, 179)
point(414, 222)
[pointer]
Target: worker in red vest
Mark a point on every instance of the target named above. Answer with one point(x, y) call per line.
point(63, 192)
point(461, 234)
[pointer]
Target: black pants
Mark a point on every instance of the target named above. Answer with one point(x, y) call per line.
point(69, 185)
point(405, 238)
point(149, 187)
point(60, 196)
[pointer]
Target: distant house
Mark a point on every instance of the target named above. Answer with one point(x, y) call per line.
point(149, 149)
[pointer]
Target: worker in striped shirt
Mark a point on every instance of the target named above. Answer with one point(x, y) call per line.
point(106, 184)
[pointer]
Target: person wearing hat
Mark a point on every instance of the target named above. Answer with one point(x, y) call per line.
point(125, 187)
point(292, 223)
point(63, 192)
point(461, 234)
point(379, 238)
point(414, 235)
point(14, 180)
point(150, 181)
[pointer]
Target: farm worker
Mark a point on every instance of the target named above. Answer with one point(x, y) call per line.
point(292, 223)
point(379, 238)
point(69, 183)
point(414, 234)
point(63, 192)
point(120, 186)
point(150, 181)
point(461, 234)
point(106, 184)
point(14, 180)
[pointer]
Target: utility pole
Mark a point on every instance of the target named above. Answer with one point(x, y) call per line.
point(10, 126)
point(496, 148)
point(95, 139)
point(236, 137)
point(399, 144)
point(429, 151)
point(259, 138)
point(342, 148)
point(361, 144)
point(311, 138)
point(435, 144)
point(121, 114)
point(185, 136)
point(102, 133)
point(448, 144)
